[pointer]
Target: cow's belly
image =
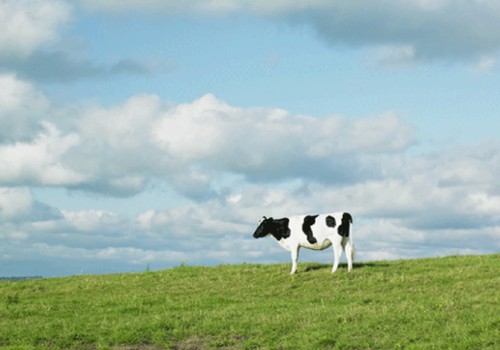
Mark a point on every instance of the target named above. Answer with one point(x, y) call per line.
point(317, 246)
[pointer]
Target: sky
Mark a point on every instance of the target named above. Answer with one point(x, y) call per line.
point(140, 135)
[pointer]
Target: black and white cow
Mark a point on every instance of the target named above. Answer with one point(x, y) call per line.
point(316, 232)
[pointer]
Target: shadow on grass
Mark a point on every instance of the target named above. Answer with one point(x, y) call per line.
point(360, 265)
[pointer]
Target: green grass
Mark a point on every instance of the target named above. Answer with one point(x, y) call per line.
point(443, 303)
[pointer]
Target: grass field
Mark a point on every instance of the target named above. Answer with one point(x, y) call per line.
point(440, 303)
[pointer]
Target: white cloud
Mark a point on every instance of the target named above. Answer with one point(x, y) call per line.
point(118, 150)
point(193, 130)
point(21, 108)
point(14, 201)
point(410, 30)
point(125, 127)
point(237, 164)
point(39, 162)
point(91, 220)
point(381, 134)
point(408, 214)
point(270, 144)
point(31, 148)
point(17, 205)
point(30, 45)
point(27, 25)
point(402, 32)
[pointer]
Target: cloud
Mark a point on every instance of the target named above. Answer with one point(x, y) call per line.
point(114, 142)
point(393, 218)
point(234, 165)
point(29, 41)
point(453, 189)
point(56, 67)
point(219, 230)
point(450, 208)
point(28, 25)
point(39, 162)
point(270, 144)
point(99, 241)
point(17, 205)
point(199, 146)
point(409, 31)
point(402, 32)
point(191, 145)
point(32, 149)
point(21, 107)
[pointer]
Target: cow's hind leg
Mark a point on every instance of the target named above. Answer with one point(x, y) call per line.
point(337, 253)
point(295, 258)
point(349, 252)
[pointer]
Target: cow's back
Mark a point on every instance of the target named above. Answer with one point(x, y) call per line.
point(316, 231)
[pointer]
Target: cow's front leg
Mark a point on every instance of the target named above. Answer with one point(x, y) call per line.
point(295, 257)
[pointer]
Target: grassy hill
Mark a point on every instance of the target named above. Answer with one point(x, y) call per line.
point(443, 303)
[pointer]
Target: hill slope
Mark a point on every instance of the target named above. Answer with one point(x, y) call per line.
point(438, 303)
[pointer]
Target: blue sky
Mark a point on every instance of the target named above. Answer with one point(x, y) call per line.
point(154, 133)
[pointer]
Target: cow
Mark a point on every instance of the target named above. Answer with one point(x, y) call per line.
point(316, 232)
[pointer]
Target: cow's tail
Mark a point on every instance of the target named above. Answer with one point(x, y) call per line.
point(353, 250)
point(350, 238)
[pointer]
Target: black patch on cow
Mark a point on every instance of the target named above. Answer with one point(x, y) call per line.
point(306, 227)
point(330, 221)
point(344, 227)
point(280, 229)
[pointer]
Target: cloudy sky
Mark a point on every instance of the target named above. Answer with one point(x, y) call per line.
point(148, 134)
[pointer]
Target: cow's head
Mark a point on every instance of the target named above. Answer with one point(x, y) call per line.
point(264, 228)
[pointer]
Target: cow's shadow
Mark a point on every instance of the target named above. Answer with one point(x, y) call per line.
point(360, 265)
